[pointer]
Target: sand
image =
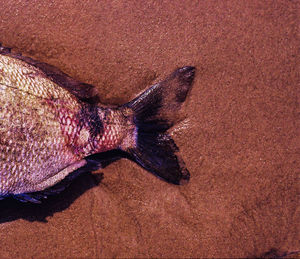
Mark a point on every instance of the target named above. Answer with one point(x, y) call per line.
point(239, 137)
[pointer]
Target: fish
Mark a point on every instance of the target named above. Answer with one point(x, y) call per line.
point(53, 128)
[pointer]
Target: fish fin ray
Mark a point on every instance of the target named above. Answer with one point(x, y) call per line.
point(91, 165)
point(37, 197)
point(29, 197)
point(155, 111)
point(103, 159)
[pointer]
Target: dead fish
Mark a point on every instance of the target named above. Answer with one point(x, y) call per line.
point(51, 126)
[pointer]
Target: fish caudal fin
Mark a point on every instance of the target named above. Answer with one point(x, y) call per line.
point(154, 112)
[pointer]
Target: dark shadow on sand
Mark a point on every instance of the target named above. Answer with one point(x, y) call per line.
point(11, 209)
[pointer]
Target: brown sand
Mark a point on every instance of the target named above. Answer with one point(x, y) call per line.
point(240, 139)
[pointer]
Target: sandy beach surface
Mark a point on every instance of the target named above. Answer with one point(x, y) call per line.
point(239, 136)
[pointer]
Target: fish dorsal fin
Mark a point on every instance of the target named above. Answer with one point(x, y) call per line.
point(84, 92)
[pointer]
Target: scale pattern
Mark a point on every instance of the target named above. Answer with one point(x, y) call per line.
point(42, 129)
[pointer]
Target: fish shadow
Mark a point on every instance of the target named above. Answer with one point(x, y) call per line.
point(11, 209)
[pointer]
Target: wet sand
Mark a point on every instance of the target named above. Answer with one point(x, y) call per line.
point(239, 139)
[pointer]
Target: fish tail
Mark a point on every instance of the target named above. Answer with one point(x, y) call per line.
point(154, 112)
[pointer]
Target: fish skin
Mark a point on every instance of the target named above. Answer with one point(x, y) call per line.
point(44, 128)
point(51, 124)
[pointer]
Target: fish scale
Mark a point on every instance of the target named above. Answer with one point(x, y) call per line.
point(51, 126)
point(17, 74)
point(42, 140)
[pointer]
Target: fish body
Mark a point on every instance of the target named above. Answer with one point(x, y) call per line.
point(50, 124)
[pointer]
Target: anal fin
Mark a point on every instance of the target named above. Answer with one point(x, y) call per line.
point(37, 197)
point(30, 197)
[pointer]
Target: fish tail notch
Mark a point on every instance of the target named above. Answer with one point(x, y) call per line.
point(154, 112)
